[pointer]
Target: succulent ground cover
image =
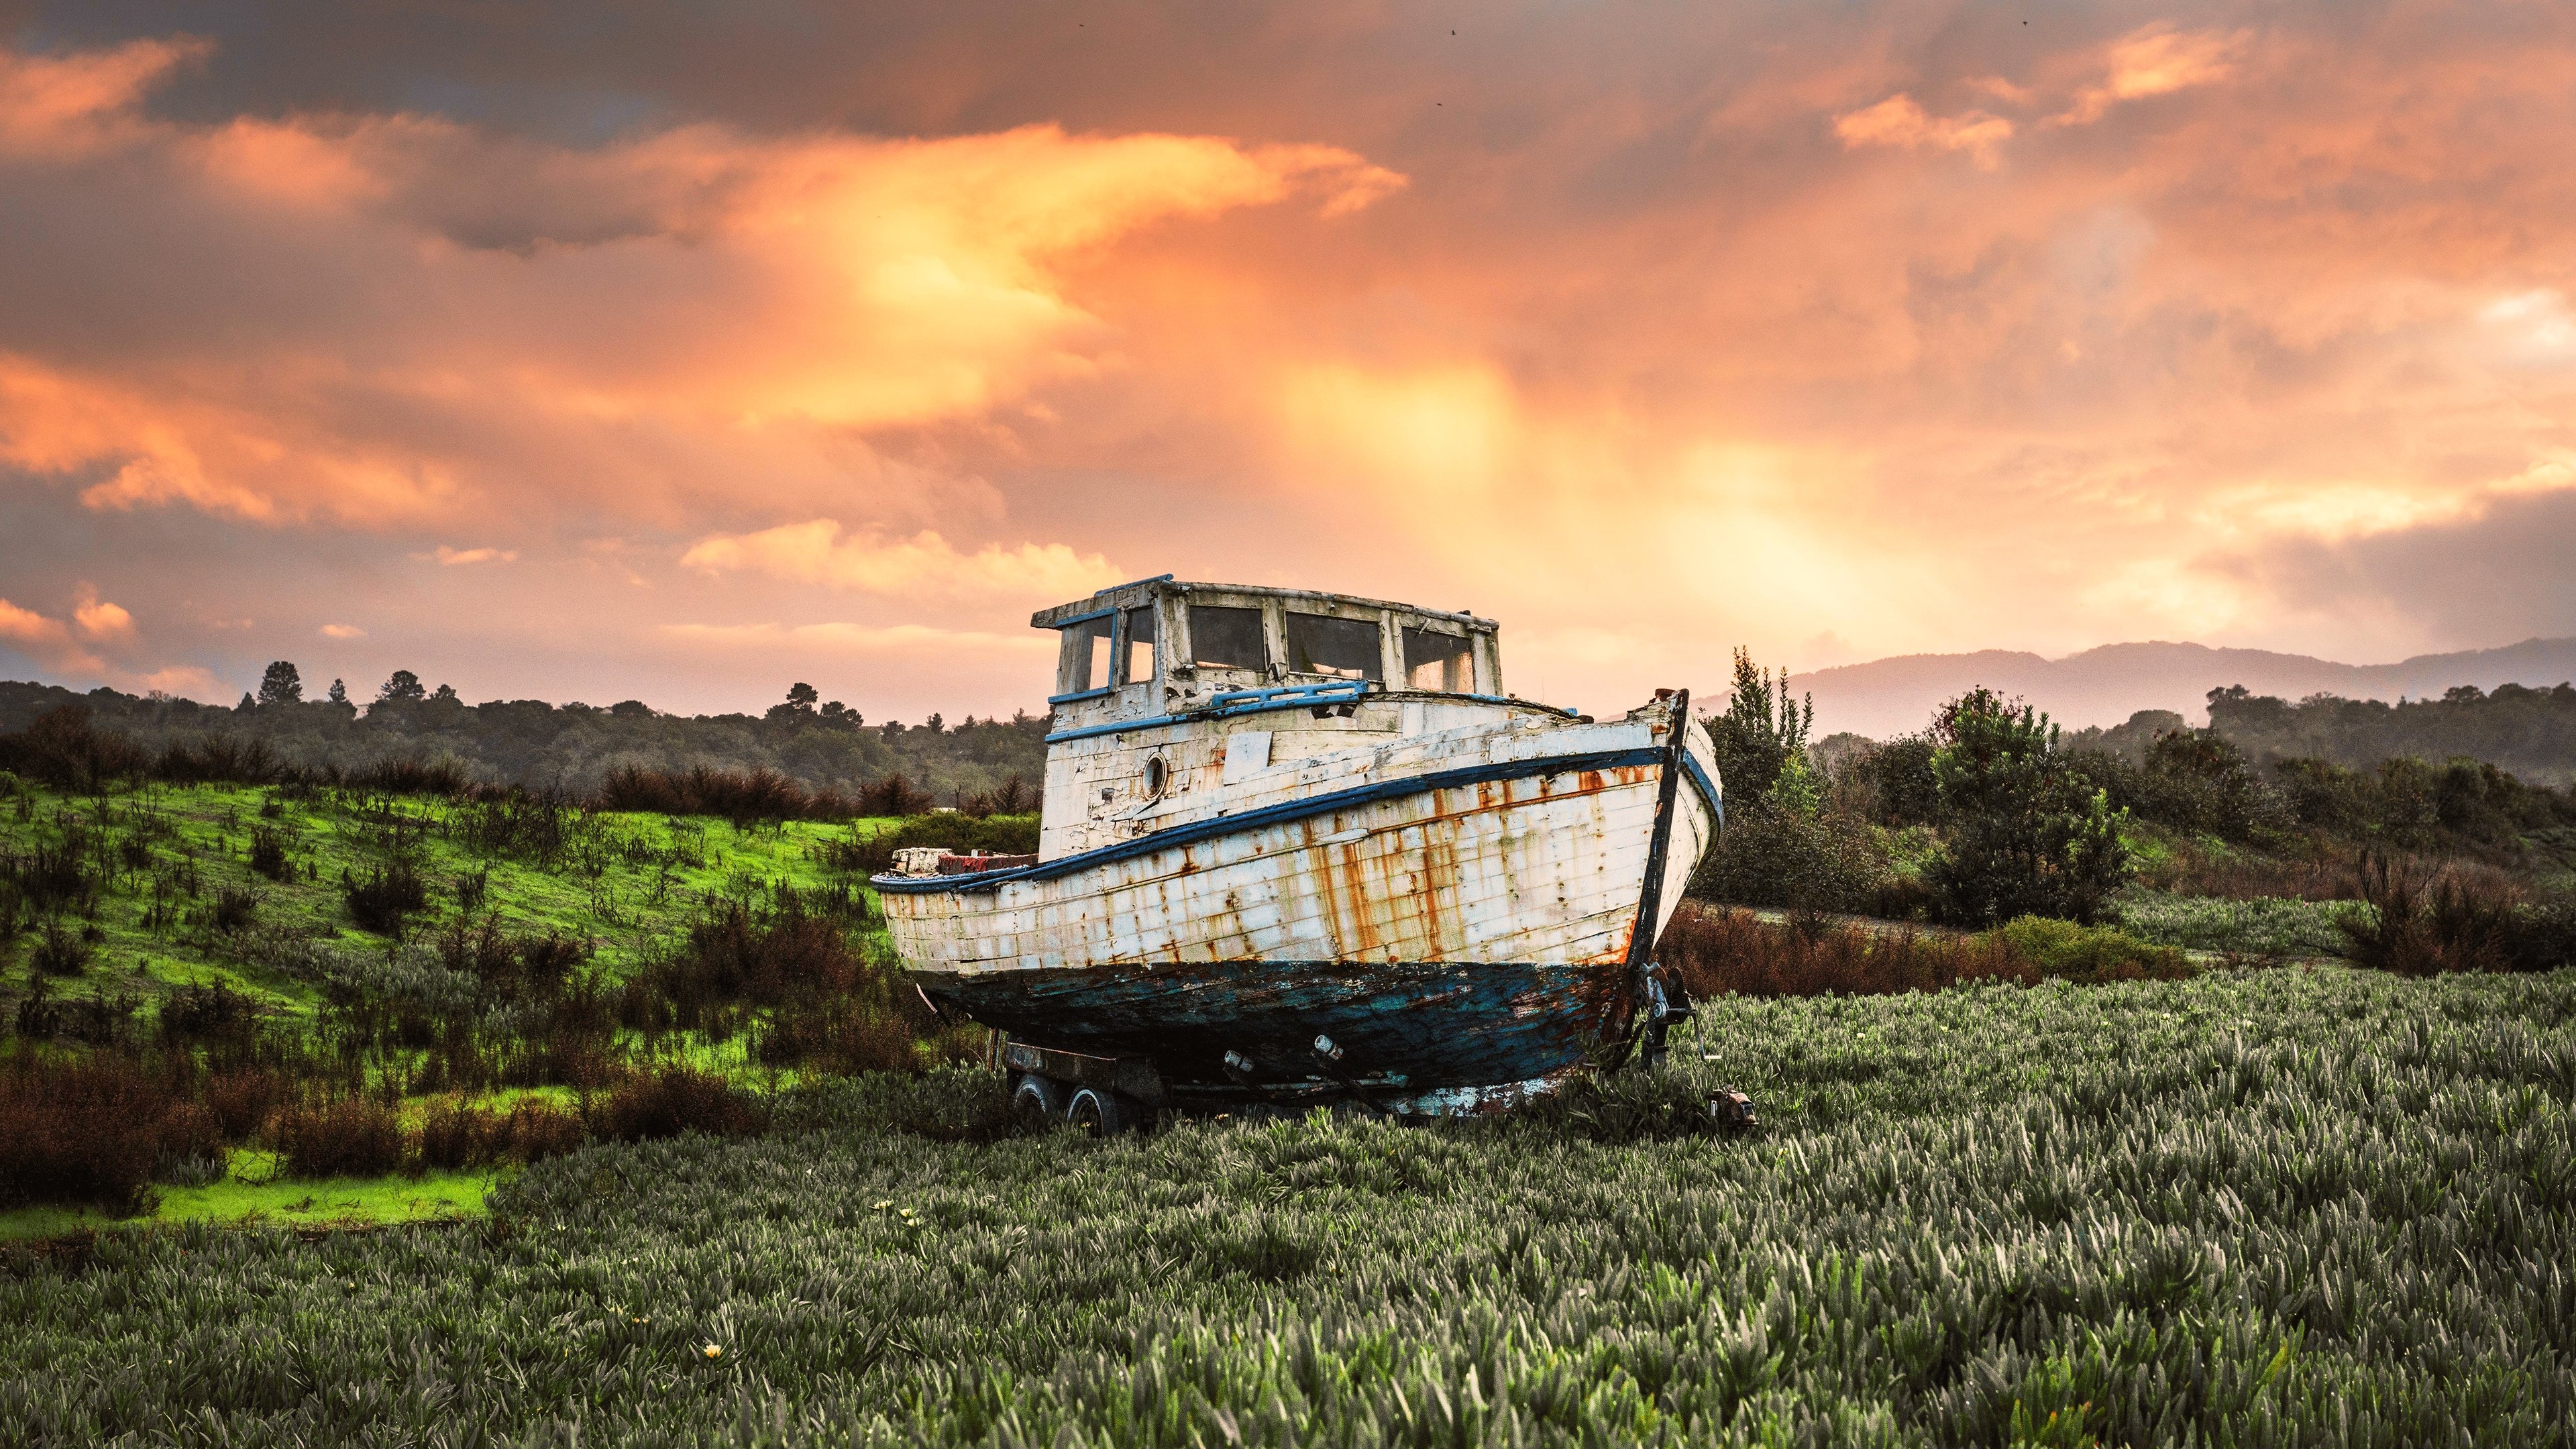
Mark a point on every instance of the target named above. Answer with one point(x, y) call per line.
point(2250, 1207)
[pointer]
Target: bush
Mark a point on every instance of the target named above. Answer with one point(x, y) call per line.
point(379, 900)
point(351, 1137)
point(454, 1136)
point(2424, 920)
point(1770, 855)
point(1722, 952)
point(2090, 955)
point(234, 907)
point(647, 1105)
point(242, 1100)
point(84, 1131)
point(268, 853)
point(203, 1013)
point(66, 750)
point(59, 952)
point(410, 775)
point(2026, 835)
point(1893, 783)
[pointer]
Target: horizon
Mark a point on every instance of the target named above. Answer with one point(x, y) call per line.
point(545, 366)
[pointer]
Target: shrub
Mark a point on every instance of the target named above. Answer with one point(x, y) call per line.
point(59, 952)
point(201, 1013)
point(379, 900)
point(1893, 783)
point(86, 1131)
point(242, 1099)
point(2092, 955)
point(351, 1137)
point(1771, 855)
point(234, 907)
point(845, 1035)
point(2430, 919)
point(2026, 837)
point(213, 759)
point(646, 1105)
point(66, 750)
point(453, 1135)
point(409, 775)
point(268, 853)
point(1720, 952)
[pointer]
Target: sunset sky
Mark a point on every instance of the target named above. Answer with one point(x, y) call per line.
point(677, 352)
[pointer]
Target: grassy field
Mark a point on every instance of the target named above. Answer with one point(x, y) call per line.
point(389, 958)
point(2296, 1206)
point(165, 855)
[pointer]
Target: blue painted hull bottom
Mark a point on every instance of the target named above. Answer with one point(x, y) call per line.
point(1406, 1029)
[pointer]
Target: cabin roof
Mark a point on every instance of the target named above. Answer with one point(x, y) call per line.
point(1128, 596)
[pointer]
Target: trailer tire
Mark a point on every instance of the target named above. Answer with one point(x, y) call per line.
point(1037, 1101)
point(1103, 1113)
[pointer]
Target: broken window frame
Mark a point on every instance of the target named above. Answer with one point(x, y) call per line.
point(1374, 620)
point(1074, 663)
point(1260, 629)
point(1461, 660)
point(1123, 654)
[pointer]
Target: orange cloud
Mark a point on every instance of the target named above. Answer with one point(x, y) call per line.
point(49, 640)
point(66, 105)
point(2155, 60)
point(753, 303)
point(924, 565)
point(1900, 122)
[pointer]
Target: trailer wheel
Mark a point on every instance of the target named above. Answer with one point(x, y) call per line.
point(1037, 1100)
point(1103, 1113)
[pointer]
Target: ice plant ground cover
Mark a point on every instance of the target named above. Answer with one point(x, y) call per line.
point(2253, 1207)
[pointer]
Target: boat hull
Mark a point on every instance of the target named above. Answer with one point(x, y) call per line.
point(1401, 1028)
point(1460, 914)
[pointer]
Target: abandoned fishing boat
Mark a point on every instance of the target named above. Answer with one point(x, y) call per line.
point(1304, 846)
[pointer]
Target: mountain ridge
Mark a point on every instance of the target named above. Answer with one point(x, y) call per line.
point(2106, 684)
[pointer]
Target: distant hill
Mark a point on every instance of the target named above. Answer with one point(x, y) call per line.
point(2107, 685)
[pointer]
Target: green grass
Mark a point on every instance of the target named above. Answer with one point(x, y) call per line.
point(2267, 926)
point(625, 882)
point(336, 1202)
point(2280, 1207)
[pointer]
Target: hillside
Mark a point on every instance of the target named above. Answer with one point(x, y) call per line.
point(2105, 686)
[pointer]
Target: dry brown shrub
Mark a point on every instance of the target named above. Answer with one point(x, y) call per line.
point(351, 1137)
point(1720, 952)
point(80, 1131)
point(674, 1100)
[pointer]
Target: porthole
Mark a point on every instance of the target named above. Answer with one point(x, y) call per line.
point(1157, 774)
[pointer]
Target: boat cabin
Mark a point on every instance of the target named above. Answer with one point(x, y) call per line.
point(1176, 702)
point(1156, 648)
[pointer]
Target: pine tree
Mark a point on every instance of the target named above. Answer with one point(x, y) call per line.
point(281, 685)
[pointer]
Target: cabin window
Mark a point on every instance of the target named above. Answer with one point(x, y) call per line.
point(1086, 655)
point(1137, 664)
point(1225, 637)
point(1343, 648)
point(1437, 661)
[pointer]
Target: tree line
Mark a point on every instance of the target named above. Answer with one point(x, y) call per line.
point(818, 746)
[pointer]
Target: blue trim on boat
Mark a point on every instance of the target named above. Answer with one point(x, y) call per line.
point(1706, 786)
point(1279, 814)
point(1072, 619)
point(1336, 692)
point(1132, 583)
point(1084, 694)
